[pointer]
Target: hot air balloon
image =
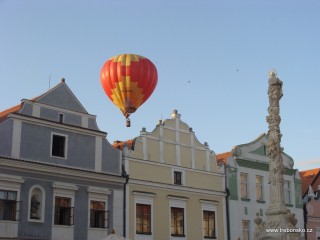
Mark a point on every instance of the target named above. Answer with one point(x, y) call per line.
point(128, 80)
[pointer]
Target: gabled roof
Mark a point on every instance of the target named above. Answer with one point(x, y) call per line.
point(45, 97)
point(309, 177)
point(59, 96)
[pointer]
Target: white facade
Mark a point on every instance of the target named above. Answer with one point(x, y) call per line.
point(246, 166)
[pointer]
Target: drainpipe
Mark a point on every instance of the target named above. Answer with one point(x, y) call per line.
point(227, 200)
point(124, 174)
point(227, 209)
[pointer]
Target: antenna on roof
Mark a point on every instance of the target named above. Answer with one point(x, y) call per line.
point(49, 81)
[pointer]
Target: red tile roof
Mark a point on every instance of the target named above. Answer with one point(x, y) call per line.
point(223, 157)
point(309, 177)
point(119, 144)
point(6, 112)
point(14, 109)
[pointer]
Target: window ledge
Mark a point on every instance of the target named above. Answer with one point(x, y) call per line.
point(261, 201)
point(63, 226)
point(36, 220)
point(245, 199)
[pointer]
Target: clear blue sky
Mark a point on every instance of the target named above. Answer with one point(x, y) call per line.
point(224, 48)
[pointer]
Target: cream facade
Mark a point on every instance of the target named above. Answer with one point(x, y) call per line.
point(175, 189)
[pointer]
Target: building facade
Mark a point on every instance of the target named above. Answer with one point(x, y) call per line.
point(60, 178)
point(176, 190)
point(247, 181)
point(311, 202)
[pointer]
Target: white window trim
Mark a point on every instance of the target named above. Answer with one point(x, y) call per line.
point(43, 198)
point(210, 206)
point(61, 189)
point(99, 195)
point(143, 198)
point(182, 175)
point(66, 145)
point(178, 203)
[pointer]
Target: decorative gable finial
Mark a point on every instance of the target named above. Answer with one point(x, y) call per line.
point(175, 114)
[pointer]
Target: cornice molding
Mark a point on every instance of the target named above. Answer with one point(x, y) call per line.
point(58, 171)
point(52, 124)
point(178, 188)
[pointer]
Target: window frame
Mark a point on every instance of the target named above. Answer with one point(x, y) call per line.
point(246, 230)
point(7, 202)
point(12, 183)
point(146, 199)
point(182, 177)
point(206, 225)
point(176, 202)
point(62, 189)
point(69, 208)
point(149, 217)
point(98, 194)
point(65, 145)
point(246, 196)
point(174, 211)
point(61, 118)
point(259, 186)
point(210, 206)
point(105, 215)
point(287, 192)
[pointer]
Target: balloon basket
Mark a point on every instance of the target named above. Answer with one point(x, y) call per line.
point(128, 122)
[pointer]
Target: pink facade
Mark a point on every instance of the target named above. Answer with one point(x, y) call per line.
point(313, 219)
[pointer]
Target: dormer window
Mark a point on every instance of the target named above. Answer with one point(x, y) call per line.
point(60, 118)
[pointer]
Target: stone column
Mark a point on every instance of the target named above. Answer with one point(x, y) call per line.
point(279, 218)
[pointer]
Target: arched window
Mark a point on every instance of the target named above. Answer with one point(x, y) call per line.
point(36, 204)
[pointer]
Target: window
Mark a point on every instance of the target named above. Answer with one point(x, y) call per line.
point(143, 218)
point(98, 215)
point(287, 192)
point(177, 222)
point(63, 214)
point(259, 188)
point(58, 147)
point(177, 178)
point(209, 224)
point(245, 229)
point(8, 205)
point(60, 118)
point(244, 185)
point(143, 212)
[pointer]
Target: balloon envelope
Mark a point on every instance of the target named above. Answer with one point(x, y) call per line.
point(128, 80)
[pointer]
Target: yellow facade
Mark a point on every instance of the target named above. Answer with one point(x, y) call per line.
point(177, 179)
